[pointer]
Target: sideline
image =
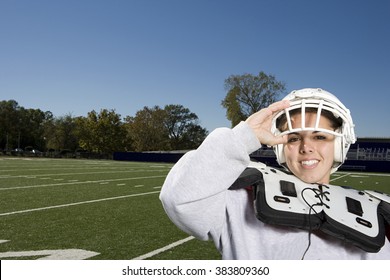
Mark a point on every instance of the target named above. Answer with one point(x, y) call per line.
point(76, 203)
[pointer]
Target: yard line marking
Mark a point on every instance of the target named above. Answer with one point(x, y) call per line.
point(340, 177)
point(62, 254)
point(80, 182)
point(79, 173)
point(76, 203)
point(368, 174)
point(163, 249)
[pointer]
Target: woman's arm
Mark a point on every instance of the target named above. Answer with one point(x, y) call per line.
point(193, 194)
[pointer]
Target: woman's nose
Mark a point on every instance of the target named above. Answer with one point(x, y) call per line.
point(306, 147)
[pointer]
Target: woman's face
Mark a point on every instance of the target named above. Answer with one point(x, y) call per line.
point(309, 154)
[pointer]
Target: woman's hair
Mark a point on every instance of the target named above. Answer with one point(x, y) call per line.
point(281, 122)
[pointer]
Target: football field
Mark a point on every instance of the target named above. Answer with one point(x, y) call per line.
point(77, 209)
point(110, 210)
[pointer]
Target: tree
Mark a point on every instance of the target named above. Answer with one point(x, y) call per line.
point(171, 128)
point(9, 123)
point(101, 133)
point(247, 94)
point(60, 134)
point(183, 128)
point(33, 126)
point(193, 137)
point(147, 130)
point(20, 127)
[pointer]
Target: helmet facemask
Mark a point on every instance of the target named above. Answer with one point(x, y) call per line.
point(323, 104)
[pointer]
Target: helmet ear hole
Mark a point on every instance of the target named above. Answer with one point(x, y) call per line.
point(338, 150)
point(279, 151)
point(341, 147)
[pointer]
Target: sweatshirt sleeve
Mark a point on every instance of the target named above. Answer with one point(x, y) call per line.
point(194, 192)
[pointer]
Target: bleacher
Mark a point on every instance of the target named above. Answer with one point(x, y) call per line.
point(370, 149)
point(369, 154)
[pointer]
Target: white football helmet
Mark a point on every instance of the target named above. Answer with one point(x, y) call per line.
point(320, 100)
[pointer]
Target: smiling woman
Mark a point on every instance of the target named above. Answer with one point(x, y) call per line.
point(252, 211)
point(309, 150)
point(312, 131)
point(316, 110)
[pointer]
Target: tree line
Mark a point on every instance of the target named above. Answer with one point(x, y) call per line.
point(172, 127)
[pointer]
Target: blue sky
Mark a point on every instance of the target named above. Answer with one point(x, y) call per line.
point(75, 56)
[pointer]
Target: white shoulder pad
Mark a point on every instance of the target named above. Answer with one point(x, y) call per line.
point(379, 195)
point(255, 164)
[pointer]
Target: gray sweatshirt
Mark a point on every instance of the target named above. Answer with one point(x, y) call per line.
point(195, 196)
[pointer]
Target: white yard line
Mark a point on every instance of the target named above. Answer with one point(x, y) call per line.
point(340, 177)
point(80, 183)
point(79, 173)
point(76, 203)
point(367, 174)
point(163, 249)
point(62, 254)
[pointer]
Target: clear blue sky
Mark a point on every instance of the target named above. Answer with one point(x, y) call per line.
point(75, 56)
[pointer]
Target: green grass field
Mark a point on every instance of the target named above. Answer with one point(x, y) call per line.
point(109, 210)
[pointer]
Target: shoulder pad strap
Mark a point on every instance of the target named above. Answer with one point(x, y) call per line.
point(249, 177)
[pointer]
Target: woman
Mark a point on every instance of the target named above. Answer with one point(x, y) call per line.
point(311, 132)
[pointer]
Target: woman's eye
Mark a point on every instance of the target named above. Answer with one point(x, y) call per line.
point(321, 137)
point(293, 139)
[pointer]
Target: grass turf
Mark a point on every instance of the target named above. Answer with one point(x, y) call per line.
point(108, 207)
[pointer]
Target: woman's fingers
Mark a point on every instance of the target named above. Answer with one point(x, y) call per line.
point(262, 115)
point(260, 123)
